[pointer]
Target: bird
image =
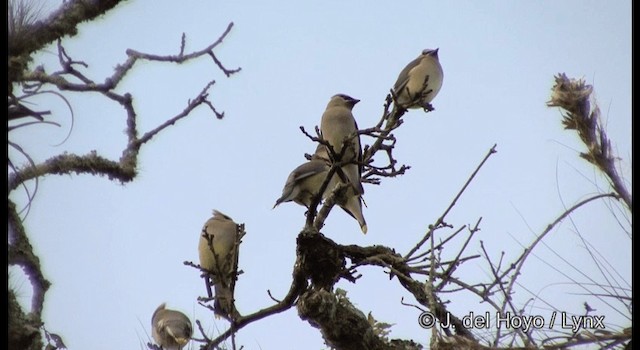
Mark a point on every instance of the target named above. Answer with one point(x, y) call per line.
point(218, 252)
point(337, 124)
point(419, 82)
point(305, 181)
point(171, 329)
point(339, 128)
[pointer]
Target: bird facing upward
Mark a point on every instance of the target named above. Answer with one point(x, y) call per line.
point(410, 88)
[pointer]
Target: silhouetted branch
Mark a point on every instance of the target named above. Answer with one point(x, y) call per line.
point(440, 220)
point(72, 77)
point(530, 248)
point(298, 285)
point(20, 252)
point(125, 169)
point(35, 35)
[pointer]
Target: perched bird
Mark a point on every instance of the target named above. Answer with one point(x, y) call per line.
point(339, 128)
point(410, 89)
point(171, 329)
point(305, 181)
point(337, 124)
point(219, 256)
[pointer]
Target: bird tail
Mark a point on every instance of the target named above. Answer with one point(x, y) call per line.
point(353, 207)
point(223, 305)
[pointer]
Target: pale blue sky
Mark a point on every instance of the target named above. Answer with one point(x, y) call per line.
point(115, 252)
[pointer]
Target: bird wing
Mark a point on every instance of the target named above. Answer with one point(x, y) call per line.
point(403, 77)
point(300, 173)
point(360, 164)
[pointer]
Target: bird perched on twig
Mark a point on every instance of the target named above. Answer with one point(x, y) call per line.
point(171, 329)
point(218, 252)
point(339, 128)
point(305, 181)
point(419, 82)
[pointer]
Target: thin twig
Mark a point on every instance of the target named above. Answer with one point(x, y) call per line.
point(440, 220)
point(530, 248)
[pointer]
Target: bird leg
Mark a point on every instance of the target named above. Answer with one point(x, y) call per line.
point(428, 107)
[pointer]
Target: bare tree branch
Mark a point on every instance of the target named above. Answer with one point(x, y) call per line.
point(530, 248)
point(21, 253)
point(72, 78)
point(35, 35)
point(342, 325)
point(440, 220)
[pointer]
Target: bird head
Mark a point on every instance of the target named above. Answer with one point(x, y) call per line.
point(343, 100)
point(431, 52)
